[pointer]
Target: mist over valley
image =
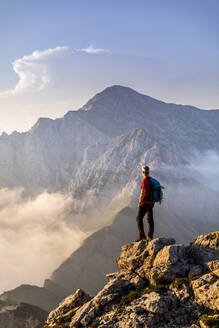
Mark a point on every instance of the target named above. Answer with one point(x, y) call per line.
point(66, 178)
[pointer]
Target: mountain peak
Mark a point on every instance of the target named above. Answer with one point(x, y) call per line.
point(117, 97)
point(116, 88)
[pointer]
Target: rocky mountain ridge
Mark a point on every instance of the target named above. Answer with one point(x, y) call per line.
point(95, 154)
point(119, 109)
point(52, 152)
point(77, 153)
point(46, 297)
point(160, 284)
point(20, 315)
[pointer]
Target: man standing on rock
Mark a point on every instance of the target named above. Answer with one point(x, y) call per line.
point(149, 188)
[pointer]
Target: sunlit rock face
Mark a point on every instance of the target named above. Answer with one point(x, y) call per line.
point(160, 284)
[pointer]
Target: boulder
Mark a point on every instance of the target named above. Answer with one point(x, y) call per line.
point(132, 256)
point(171, 254)
point(69, 304)
point(135, 255)
point(156, 303)
point(206, 290)
point(205, 248)
point(112, 292)
point(131, 276)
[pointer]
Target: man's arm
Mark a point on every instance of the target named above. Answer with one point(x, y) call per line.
point(141, 197)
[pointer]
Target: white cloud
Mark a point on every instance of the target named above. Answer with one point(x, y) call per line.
point(92, 50)
point(32, 71)
point(35, 237)
point(207, 164)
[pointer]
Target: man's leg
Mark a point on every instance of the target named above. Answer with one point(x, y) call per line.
point(139, 219)
point(150, 220)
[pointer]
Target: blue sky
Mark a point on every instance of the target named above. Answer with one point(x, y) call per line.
point(168, 49)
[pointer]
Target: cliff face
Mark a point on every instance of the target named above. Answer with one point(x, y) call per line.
point(160, 284)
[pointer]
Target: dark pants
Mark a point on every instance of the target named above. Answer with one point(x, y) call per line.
point(142, 210)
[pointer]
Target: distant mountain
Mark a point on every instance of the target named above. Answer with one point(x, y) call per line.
point(52, 152)
point(96, 153)
point(20, 315)
point(47, 156)
point(183, 129)
point(47, 297)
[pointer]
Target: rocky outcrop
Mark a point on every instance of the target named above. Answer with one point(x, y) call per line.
point(67, 308)
point(160, 284)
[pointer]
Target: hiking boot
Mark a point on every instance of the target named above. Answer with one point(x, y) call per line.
point(149, 238)
point(140, 238)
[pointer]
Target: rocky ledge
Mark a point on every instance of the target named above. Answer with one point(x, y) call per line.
point(160, 284)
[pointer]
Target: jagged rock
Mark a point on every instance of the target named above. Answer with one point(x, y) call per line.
point(134, 278)
point(111, 292)
point(132, 255)
point(159, 285)
point(210, 321)
point(156, 303)
point(196, 271)
point(182, 290)
point(163, 274)
point(157, 244)
point(206, 290)
point(209, 241)
point(114, 275)
point(69, 304)
point(212, 265)
point(164, 265)
point(135, 255)
point(205, 248)
point(170, 255)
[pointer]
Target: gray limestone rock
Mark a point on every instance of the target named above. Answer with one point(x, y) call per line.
point(159, 285)
point(205, 248)
point(135, 255)
point(206, 290)
point(156, 303)
point(132, 255)
point(68, 305)
point(171, 255)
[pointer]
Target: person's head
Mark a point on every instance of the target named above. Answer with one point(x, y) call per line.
point(145, 171)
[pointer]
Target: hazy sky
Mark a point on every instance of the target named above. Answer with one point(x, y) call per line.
point(55, 55)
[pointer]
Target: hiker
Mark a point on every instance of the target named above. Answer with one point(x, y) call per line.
point(146, 204)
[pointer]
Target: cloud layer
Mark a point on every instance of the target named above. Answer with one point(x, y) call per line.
point(34, 237)
point(207, 164)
